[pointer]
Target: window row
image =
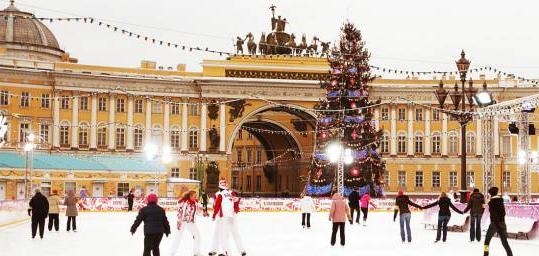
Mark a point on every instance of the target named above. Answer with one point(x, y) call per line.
point(252, 155)
point(419, 138)
point(436, 180)
point(419, 115)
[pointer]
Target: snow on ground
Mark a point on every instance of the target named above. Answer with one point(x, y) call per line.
point(264, 234)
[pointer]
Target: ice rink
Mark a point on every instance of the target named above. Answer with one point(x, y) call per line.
point(264, 234)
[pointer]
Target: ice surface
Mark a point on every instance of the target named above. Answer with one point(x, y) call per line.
point(263, 234)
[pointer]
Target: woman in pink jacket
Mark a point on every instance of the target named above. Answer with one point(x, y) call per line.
point(339, 213)
point(364, 203)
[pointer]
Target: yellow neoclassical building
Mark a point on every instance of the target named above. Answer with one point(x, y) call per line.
point(248, 119)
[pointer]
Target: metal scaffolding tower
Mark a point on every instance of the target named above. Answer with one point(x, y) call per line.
point(524, 173)
point(487, 147)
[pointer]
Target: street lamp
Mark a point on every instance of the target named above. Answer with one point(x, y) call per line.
point(337, 154)
point(465, 100)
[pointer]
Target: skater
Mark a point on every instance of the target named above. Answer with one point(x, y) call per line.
point(130, 198)
point(497, 222)
point(187, 210)
point(39, 208)
point(444, 215)
point(205, 204)
point(365, 201)
point(54, 211)
point(353, 203)
point(225, 208)
point(307, 207)
point(155, 224)
point(71, 210)
point(476, 208)
point(401, 206)
point(338, 214)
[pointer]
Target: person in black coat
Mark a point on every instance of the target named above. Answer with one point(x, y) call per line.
point(444, 215)
point(497, 222)
point(155, 224)
point(130, 197)
point(39, 210)
point(401, 206)
point(353, 202)
point(476, 208)
point(205, 202)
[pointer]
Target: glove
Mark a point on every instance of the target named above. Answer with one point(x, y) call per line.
point(132, 233)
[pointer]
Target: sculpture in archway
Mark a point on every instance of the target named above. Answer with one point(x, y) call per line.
point(237, 108)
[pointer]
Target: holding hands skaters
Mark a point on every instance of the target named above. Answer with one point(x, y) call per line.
point(444, 214)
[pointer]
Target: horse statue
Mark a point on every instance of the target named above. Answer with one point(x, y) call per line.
point(291, 44)
point(239, 45)
point(302, 46)
point(311, 49)
point(262, 46)
point(251, 45)
point(325, 47)
point(272, 44)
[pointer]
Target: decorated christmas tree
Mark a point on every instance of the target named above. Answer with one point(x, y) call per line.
point(345, 119)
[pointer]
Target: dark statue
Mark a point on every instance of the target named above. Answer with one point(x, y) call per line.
point(237, 108)
point(212, 174)
point(213, 110)
point(214, 138)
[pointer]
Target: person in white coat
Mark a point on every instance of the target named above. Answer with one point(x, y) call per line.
point(188, 208)
point(307, 207)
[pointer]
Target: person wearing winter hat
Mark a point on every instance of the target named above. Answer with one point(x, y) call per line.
point(71, 210)
point(365, 201)
point(338, 214)
point(401, 206)
point(54, 210)
point(188, 208)
point(155, 224)
point(497, 222)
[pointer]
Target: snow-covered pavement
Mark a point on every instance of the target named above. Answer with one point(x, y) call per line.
point(264, 234)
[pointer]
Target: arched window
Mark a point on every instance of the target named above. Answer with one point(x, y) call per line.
point(138, 134)
point(83, 135)
point(193, 138)
point(470, 143)
point(453, 143)
point(436, 142)
point(418, 141)
point(384, 147)
point(401, 143)
point(157, 138)
point(175, 137)
point(64, 134)
point(102, 135)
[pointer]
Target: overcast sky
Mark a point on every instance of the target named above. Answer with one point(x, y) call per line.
point(420, 35)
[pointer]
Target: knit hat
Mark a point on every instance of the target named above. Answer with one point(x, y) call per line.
point(401, 193)
point(223, 184)
point(152, 198)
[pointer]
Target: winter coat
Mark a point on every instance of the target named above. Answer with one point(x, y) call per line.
point(476, 204)
point(444, 203)
point(496, 209)
point(365, 199)
point(54, 204)
point(71, 203)
point(340, 211)
point(307, 205)
point(130, 197)
point(39, 206)
point(353, 199)
point(226, 204)
point(187, 210)
point(402, 202)
point(155, 220)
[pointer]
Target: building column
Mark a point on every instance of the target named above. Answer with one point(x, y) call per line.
point(75, 121)
point(478, 136)
point(496, 137)
point(410, 130)
point(427, 133)
point(130, 146)
point(148, 124)
point(166, 122)
point(222, 129)
point(444, 134)
point(93, 123)
point(185, 129)
point(393, 135)
point(112, 129)
point(56, 120)
point(376, 119)
point(203, 127)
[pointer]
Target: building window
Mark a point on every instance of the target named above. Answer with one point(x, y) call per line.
point(401, 143)
point(436, 179)
point(175, 138)
point(64, 135)
point(175, 172)
point(174, 108)
point(470, 143)
point(193, 174)
point(83, 103)
point(385, 143)
point(240, 134)
point(506, 179)
point(258, 183)
point(419, 143)
point(193, 109)
point(453, 179)
point(157, 107)
point(120, 105)
point(419, 114)
point(259, 156)
point(249, 155)
point(44, 133)
point(193, 138)
point(248, 185)
point(435, 115)
point(401, 179)
point(470, 179)
point(138, 137)
point(250, 136)
point(138, 106)
point(385, 114)
point(239, 154)
point(70, 186)
point(419, 179)
point(102, 104)
point(24, 131)
point(101, 136)
point(83, 135)
point(453, 143)
point(402, 114)
point(506, 145)
point(120, 137)
point(123, 189)
point(235, 183)
point(25, 99)
point(436, 143)
point(65, 102)
point(4, 98)
point(156, 135)
point(45, 100)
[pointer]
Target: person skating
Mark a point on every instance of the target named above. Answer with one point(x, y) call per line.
point(338, 214)
point(71, 210)
point(444, 215)
point(476, 208)
point(364, 204)
point(155, 225)
point(307, 207)
point(353, 203)
point(39, 208)
point(54, 210)
point(205, 204)
point(401, 206)
point(497, 222)
point(130, 199)
point(187, 210)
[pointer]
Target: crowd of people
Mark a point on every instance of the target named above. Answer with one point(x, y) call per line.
point(41, 208)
